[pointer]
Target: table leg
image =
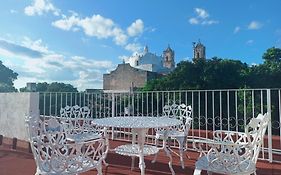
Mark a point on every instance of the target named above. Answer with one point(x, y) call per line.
point(133, 142)
point(141, 140)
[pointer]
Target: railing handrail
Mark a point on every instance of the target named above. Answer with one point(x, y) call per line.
point(187, 90)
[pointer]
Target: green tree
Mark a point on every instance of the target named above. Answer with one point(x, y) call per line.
point(215, 73)
point(266, 75)
point(60, 87)
point(272, 55)
point(53, 87)
point(7, 77)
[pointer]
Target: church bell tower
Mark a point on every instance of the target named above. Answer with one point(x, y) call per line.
point(168, 58)
point(199, 51)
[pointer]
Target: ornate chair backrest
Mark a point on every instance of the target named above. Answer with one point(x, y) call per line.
point(75, 112)
point(167, 111)
point(171, 111)
point(181, 112)
point(77, 121)
point(185, 116)
point(255, 132)
point(45, 135)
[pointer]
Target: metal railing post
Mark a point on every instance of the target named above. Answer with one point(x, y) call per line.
point(268, 94)
point(112, 113)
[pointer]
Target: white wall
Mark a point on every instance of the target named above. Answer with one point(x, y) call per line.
point(13, 109)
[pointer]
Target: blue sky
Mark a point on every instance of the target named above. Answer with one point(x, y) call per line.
point(78, 41)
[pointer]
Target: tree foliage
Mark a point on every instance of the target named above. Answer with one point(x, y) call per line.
point(272, 55)
point(210, 74)
point(7, 77)
point(218, 73)
point(53, 87)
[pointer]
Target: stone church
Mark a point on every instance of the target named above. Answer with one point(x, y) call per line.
point(142, 68)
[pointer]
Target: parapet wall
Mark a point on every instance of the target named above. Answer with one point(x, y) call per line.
point(13, 109)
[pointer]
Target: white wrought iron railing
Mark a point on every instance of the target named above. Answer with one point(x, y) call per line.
point(226, 109)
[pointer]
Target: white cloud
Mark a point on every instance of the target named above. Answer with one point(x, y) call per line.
point(201, 13)
point(87, 79)
point(40, 7)
point(66, 23)
point(50, 66)
point(19, 49)
point(202, 17)
point(124, 58)
point(209, 22)
point(6, 53)
point(34, 45)
point(22, 80)
point(193, 21)
point(120, 37)
point(95, 26)
point(236, 29)
point(250, 42)
point(129, 59)
point(133, 47)
point(254, 25)
point(135, 28)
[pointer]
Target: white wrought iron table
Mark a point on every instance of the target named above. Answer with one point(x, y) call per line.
point(139, 126)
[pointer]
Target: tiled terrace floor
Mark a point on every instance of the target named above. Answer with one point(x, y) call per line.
point(20, 162)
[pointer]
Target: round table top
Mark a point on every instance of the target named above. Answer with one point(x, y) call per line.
point(137, 122)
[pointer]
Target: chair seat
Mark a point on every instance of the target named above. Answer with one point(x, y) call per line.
point(82, 137)
point(74, 166)
point(245, 167)
point(171, 133)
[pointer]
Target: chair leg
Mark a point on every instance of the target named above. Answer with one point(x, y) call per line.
point(181, 142)
point(181, 155)
point(155, 157)
point(104, 162)
point(37, 171)
point(170, 161)
point(99, 168)
point(197, 172)
point(133, 163)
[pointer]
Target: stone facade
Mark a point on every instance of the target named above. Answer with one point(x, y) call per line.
point(199, 51)
point(126, 77)
point(140, 69)
point(168, 56)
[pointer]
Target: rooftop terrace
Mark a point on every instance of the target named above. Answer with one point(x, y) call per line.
point(212, 110)
point(20, 162)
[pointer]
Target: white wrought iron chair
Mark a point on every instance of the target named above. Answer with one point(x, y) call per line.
point(79, 126)
point(234, 153)
point(180, 133)
point(56, 155)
